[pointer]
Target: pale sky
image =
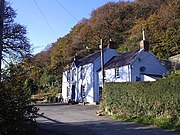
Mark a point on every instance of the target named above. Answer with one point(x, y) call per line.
point(47, 20)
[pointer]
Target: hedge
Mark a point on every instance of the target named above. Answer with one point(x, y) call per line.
point(159, 101)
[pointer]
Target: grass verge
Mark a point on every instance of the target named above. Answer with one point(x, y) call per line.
point(167, 123)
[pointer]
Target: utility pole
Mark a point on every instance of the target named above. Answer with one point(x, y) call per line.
point(102, 61)
point(1, 33)
point(143, 34)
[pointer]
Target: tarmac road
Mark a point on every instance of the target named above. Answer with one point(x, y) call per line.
point(82, 120)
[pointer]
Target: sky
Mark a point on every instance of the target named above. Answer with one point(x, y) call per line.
point(48, 20)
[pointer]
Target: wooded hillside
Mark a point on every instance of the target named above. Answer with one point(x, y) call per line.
point(123, 23)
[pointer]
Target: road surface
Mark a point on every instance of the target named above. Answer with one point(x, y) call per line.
point(82, 120)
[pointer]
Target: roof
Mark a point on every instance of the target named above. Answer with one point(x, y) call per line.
point(88, 59)
point(121, 60)
point(77, 62)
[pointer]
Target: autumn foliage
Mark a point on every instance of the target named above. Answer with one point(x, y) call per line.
point(121, 21)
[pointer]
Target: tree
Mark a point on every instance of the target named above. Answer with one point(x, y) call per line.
point(122, 22)
point(16, 45)
point(16, 113)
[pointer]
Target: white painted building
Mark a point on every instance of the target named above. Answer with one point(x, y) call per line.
point(138, 65)
point(83, 82)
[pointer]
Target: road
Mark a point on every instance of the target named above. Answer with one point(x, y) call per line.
point(82, 120)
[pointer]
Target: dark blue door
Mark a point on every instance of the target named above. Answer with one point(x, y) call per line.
point(73, 93)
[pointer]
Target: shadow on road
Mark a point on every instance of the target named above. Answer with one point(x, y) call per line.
point(51, 104)
point(54, 127)
point(50, 126)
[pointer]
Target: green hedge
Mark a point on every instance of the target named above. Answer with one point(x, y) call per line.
point(156, 103)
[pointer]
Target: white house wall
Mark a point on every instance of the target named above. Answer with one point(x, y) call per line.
point(65, 86)
point(108, 54)
point(87, 82)
point(147, 78)
point(124, 75)
point(91, 80)
point(150, 62)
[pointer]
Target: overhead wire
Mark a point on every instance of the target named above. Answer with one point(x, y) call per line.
point(46, 20)
point(68, 11)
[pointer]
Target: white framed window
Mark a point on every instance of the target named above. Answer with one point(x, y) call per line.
point(117, 75)
point(68, 75)
point(73, 74)
point(83, 70)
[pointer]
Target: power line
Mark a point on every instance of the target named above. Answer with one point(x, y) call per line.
point(45, 19)
point(68, 11)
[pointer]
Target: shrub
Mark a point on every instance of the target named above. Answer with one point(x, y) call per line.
point(145, 100)
point(16, 113)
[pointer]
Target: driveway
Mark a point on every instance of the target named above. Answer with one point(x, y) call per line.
point(82, 120)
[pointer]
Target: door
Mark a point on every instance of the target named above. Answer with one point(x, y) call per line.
point(82, 93)
point(100, 94)
point(73, 93)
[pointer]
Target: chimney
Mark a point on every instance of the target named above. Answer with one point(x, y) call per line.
point(144, 44)
point(111, 44)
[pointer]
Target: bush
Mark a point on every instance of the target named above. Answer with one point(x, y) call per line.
point(16, 113)
point(145, 100)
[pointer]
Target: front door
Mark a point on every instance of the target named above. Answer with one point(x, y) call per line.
point(100, 93)
point(73, 93)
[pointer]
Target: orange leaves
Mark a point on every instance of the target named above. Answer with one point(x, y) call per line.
point(123, 22)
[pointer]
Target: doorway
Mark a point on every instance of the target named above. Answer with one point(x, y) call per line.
point(73, 93)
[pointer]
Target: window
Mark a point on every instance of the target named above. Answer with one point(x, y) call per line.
point(73, 74)
point(83, 93)
point(68, 75)
point(142, 69)
point(138, 79)
point(117, 73)
point(68, 91)
point(82, 72)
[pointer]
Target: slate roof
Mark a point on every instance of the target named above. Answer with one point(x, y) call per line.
point(121, 60)
point(88, 59)
point(77, 63)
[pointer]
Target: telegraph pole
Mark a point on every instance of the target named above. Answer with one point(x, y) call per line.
point(1, 33)
point(102, 60)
